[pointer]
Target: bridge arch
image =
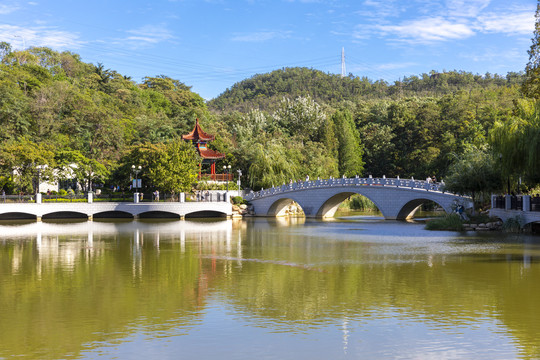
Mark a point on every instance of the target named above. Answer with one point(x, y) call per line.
point(64, 215)
point(279, 207)
point(114, 214)
point(330, 206)
point(205, 214)
point(17, 216)
point(157, 214)
point(408, 210)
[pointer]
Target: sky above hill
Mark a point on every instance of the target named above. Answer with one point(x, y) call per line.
point(211, 44)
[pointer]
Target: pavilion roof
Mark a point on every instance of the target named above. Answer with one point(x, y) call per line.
point(210, 154)
point(198, 134)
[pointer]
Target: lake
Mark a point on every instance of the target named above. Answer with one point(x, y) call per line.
point(288, 288)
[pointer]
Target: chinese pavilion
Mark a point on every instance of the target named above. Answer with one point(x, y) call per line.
point(199, 138)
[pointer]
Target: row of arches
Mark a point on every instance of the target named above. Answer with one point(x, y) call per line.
point(110, 215)
point(331, 206)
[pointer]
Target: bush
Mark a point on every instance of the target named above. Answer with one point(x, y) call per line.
point(62, 192)
point(448, 222)
point(237, 200)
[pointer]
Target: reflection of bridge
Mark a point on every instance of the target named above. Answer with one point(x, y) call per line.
point(395, 198)
point(113, 209)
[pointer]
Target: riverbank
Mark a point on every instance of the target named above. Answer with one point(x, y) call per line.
point(453, 222)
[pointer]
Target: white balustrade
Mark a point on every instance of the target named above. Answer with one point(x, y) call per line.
point(356, 181)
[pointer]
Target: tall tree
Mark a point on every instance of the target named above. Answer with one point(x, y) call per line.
point(350, 150)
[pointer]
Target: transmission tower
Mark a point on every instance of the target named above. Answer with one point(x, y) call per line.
point(343, 71)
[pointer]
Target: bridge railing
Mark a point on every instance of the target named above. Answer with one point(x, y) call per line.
point(516, 202)
point(356, 181)
point(119, 197)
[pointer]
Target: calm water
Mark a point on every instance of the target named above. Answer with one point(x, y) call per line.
point(353, 288)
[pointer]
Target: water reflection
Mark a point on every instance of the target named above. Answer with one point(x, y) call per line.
point(69, 289)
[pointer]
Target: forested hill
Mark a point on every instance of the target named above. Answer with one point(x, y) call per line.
point(264, 91)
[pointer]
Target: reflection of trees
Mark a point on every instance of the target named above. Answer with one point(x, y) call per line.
point(300, 280)
point(55, 302)
point(61, 292)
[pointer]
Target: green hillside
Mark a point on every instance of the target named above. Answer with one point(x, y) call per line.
point(264, 91)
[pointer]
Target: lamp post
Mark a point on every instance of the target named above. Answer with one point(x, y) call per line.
point(136, 170)
point(227, 170)
point(238, 182)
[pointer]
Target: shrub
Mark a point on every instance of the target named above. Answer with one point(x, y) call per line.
point(237, 200)
point(514, 224)
point(62, 192)
point(448, 222)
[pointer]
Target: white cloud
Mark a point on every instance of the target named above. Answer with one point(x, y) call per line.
point(7, 9)
point(427, 30)
point(379, 9)
point(149, 34)
point(511, 23)
point(262, 36)
point(448, 20)
point(466, 8)
point(39, 36)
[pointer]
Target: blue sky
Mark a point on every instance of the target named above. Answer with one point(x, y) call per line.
point(211, 44)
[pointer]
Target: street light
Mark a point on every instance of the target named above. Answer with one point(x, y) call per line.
point(227, 170)
point(238, 182)
point(136, 170)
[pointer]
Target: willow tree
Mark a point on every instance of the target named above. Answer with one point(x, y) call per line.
point(531, 85)
point(517, 142)
point(474, 173)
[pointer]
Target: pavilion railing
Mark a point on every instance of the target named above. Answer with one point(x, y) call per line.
point(216, 177)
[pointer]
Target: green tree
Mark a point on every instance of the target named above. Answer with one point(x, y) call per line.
point(175, 168)
point(531, 85)
point(517, 142)
point(72, 164)
point(349, 150)
point(27, 163)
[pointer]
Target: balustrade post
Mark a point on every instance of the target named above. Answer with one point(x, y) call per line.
point(507, 202)
point(38, 198)
point(526, 203)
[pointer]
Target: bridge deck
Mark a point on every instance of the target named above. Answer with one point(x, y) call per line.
point(180, 209)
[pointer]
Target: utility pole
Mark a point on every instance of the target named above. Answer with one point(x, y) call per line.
point(343, 71)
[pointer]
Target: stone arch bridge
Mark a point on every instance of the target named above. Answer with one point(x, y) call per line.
point(397, 199)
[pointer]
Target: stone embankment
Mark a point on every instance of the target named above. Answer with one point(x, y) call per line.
point(241, 211)
point(496, 225)
point(247, 210)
